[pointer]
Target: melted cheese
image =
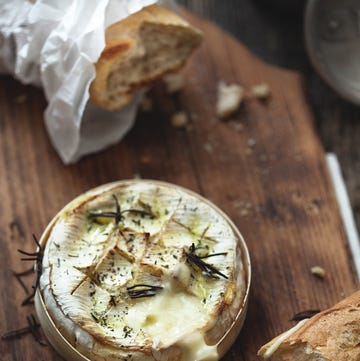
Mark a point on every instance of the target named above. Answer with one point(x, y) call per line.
point(168, 316)
point(194, 348)
point(91, 261)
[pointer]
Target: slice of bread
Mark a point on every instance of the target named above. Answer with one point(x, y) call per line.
point(139, 50)
point(332, 335)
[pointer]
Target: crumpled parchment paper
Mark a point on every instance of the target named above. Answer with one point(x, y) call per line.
point(54, 44)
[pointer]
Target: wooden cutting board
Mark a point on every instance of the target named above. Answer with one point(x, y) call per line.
point(265, 168)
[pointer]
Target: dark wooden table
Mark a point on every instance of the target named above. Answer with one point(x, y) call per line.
point(265, 168)
point(274, 31)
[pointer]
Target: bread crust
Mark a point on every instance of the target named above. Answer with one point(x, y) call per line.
point(331, 335)
point(125, 45)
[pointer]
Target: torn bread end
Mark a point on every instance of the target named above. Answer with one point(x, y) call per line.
point(139, 50)
point(331, 335)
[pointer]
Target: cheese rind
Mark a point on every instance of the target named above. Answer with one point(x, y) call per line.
point(91, 262)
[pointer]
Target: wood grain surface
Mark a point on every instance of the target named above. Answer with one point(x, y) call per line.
point(274, 31)
point(265, 168)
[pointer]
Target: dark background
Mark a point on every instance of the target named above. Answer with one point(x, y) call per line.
point(273, 30)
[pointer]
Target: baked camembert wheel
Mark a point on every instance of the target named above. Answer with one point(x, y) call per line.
point(143, 270)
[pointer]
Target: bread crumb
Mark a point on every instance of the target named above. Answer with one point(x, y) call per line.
point(318, 271)
point(251, 142)
point(229, 99)
point(261, 91)
point(208, 147)
point(146, 105)
point(244, 212)
point(179, 120)
point(238, 203)
point(174, 82)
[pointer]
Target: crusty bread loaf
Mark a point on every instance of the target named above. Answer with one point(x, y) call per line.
point(140, 49)
point(332, 335)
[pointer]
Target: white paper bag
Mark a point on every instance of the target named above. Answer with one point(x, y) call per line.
point(54, 44)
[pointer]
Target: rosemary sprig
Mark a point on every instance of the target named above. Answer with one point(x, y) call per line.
point(33, 257)
point(208, 269)
point(118, 214)
point(304, 314)
point(143, 290)
point(18, 276)
point(33, 328)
